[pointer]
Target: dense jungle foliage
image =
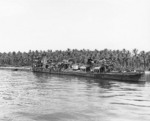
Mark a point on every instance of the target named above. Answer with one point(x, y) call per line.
point(121, 58)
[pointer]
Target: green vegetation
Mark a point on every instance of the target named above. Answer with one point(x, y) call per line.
point(121, 59)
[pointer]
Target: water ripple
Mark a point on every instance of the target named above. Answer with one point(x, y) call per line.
point(26, 96)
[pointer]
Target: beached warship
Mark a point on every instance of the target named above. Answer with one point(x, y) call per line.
point(97, 73)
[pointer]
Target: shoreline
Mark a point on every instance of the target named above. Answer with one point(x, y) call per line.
point(26, 68)
point(16, 68)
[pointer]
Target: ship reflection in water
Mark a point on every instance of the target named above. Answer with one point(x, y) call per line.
point(27, 96)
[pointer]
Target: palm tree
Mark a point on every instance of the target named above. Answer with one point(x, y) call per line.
point(143, 59)
point(135, 56)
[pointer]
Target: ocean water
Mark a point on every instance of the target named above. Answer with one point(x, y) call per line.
point(27, 96)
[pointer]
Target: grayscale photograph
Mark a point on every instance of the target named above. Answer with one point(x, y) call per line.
point(75, 60)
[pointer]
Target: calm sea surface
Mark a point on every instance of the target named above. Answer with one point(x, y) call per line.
point(27, 96)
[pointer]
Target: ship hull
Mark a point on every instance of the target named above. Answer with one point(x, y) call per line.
point(127, 77)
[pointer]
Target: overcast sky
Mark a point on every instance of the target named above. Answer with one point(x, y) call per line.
point(76, 24)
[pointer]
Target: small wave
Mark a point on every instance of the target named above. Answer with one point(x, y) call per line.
point(131, 104)
point(7, 98)
point(109, 96)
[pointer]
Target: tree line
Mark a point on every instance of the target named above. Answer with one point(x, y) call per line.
point(121, 58)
